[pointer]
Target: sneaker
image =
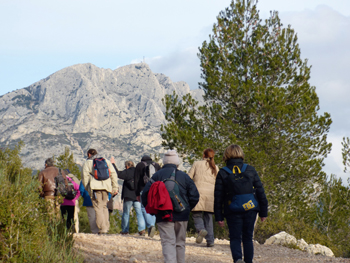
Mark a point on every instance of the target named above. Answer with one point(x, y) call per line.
point(201, 235)
point(239, 261)
point(142, 233)
point(102, 233)
point(151, 231)
point(124, 233)
point(210, 244)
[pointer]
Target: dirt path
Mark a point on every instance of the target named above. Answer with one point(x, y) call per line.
point(133, 248)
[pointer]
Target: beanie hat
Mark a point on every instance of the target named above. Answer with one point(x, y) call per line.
point(171, 157)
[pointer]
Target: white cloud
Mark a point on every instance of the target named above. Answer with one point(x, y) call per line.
point(182, 65)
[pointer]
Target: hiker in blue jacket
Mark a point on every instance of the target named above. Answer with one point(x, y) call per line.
point(89, 209)
point(173, 233)
point(240, 224)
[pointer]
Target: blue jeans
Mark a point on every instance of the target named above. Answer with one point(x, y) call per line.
point(126, 214)
point(150, 220)
point(241, 228)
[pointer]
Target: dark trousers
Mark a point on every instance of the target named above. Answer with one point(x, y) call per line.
point(69, 210)
point(241, 228)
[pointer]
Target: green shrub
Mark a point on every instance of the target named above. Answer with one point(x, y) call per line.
point(27, 233)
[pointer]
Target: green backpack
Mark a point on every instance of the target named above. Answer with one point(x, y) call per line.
point(179, 202)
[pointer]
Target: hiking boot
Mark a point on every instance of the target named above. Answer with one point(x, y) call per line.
point(210, 244)
point(151, 231)
point(142, 233)
point(201, 235)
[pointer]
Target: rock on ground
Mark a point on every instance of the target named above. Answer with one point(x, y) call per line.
point(133, 248)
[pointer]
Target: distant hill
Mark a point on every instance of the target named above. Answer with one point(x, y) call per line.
point(118, 112)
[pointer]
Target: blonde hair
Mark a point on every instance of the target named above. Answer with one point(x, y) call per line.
point(234, 151)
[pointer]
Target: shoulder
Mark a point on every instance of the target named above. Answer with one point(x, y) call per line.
point(108, 162)
point(140, 165)
point(250, 168)
point(200, 162)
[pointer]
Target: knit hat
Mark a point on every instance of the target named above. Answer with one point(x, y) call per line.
point(171, 157)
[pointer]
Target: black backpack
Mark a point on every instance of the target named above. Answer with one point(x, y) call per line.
point(173, 187)
point(130, 184)
point(241, 191)
point(100, 170)
point(64, 186)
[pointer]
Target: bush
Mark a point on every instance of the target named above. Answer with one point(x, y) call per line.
point(27, 233)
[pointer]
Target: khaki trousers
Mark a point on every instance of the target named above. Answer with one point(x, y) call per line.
point(99, 202)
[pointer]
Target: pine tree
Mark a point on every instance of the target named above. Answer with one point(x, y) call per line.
point(346, 153)
point(66, 161)
point(257, 95)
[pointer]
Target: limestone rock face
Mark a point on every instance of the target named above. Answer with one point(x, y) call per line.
point(118, 112)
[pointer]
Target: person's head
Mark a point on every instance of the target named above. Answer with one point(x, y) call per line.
point(234, 151)
point(129, 164)
point(91, 152)
point(49, 162)
point(171, 157)
point(208, 154)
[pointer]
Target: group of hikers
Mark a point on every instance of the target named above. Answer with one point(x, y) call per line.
point(164, 197)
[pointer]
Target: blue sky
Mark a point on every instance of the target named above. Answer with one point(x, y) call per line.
point(41, 37)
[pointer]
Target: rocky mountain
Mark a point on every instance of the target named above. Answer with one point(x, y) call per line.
point(118, 112)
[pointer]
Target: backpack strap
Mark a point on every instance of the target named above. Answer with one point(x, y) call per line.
point(227, 170)
point(244, 167)
point(173, 175)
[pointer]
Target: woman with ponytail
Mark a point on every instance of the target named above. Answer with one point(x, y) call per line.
point(204, 174)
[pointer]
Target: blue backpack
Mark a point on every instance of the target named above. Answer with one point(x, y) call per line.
point(100, 170)
point(241, 190)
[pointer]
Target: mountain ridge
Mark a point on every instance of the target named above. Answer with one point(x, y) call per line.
point(118, 112)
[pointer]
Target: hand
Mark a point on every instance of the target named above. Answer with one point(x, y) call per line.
point(263, 219)
point(221, 223)
point(115, 193)
point(138, 198)
point(112, 160)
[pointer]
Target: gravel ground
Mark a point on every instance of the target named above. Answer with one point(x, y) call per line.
point(133, 248)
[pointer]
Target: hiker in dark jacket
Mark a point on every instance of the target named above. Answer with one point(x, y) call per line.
point(173, 233)
point(129, 197)
point(139, 185)
point(240, 224)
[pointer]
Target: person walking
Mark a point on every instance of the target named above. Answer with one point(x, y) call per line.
point(203, 173)
point(129, 197)
point(48, 186)
point(240, 223)
point(141, 171)
point(77, 207)
point(68, 206)
point(172, 230)
point(98, 189)
point(89, 209)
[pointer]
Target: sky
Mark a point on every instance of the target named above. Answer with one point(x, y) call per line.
point(41, 37)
